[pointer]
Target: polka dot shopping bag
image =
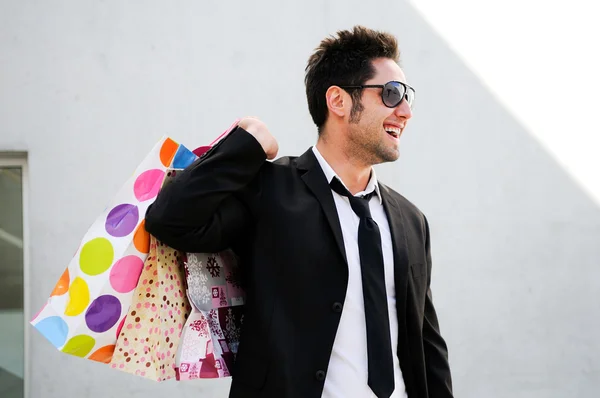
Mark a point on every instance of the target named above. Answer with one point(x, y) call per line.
point(89, 303)
point(149, 336)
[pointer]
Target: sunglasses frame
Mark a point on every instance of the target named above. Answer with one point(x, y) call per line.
point(382, 86)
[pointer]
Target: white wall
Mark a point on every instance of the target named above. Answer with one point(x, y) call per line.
point(87, 87)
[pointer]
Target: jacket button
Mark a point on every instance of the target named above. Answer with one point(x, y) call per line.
point(337, 307)
point(320, 375)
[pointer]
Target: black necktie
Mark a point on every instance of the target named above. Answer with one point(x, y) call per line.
point(379, 347)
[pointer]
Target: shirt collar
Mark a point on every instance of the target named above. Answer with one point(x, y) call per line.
point(330, 175)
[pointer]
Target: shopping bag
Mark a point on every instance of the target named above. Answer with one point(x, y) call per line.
point(149, 337)
point(210, 337)
point(94, 293)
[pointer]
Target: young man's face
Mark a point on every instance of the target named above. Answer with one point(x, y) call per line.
point(368, 132)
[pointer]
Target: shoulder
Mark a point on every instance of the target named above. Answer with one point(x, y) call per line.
point(285, 162)
point(410, 212)
point(405, 204)
point(280, 174)
point(282, 167)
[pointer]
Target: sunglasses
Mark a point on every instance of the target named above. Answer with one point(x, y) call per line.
point(392, 93)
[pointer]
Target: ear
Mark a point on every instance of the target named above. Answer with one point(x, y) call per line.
point(338, 101)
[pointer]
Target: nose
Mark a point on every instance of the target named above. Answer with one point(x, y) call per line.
point(403, 110)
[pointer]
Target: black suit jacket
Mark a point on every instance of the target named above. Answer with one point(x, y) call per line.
point(281, 220)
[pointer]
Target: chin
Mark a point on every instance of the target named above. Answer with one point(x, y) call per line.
point(392, 155)
point(387, 156)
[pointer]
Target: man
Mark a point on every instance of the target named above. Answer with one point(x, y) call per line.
point(337, 266)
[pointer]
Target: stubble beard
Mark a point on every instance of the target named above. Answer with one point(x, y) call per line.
point(366, 144)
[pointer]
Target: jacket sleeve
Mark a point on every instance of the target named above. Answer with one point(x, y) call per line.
point(439, 380)
point(209, 205)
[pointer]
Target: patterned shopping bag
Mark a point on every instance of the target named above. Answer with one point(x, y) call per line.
point(91, 298)
point(148, 337)
point(210, 337)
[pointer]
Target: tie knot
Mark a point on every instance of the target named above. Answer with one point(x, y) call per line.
point(360, 205)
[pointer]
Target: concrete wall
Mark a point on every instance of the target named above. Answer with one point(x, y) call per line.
point(87, 87)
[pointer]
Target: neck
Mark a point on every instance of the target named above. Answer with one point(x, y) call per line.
point(354, 174)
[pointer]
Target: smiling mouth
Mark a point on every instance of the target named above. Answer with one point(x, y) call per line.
point(393, 131)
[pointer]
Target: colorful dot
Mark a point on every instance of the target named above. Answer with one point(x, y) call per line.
point(124, 275)
point(122, 219)
point(201, 150)
point(183, 158)
point(103, 313)
point(148, 184)
point(96, 256)
point(103, 354)
point(141, 238)
point(80, 345)
point(79, 297)
point(62, 286)
point(54, 329)
point(167, 151)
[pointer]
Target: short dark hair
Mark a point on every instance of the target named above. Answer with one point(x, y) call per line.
point(345, 59)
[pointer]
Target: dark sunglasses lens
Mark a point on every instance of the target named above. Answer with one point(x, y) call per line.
point(392, 94)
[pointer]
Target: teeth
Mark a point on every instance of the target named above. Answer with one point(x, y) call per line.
point(395, 131)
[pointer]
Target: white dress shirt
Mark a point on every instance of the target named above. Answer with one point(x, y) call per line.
point(348, 368)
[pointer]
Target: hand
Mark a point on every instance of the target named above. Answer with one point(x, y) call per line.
point(260, 131)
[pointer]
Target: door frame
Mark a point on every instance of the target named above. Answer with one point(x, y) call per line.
point(19, 159)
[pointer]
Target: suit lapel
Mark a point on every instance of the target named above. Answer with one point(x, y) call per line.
point(401, 275)
point(400, 248)
point(317, 183)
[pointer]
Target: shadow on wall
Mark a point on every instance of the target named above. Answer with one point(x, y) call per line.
point(515, 239)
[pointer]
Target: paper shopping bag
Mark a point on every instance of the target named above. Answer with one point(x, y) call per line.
point(149, 337)
point(94, 293)
point(210, 337)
